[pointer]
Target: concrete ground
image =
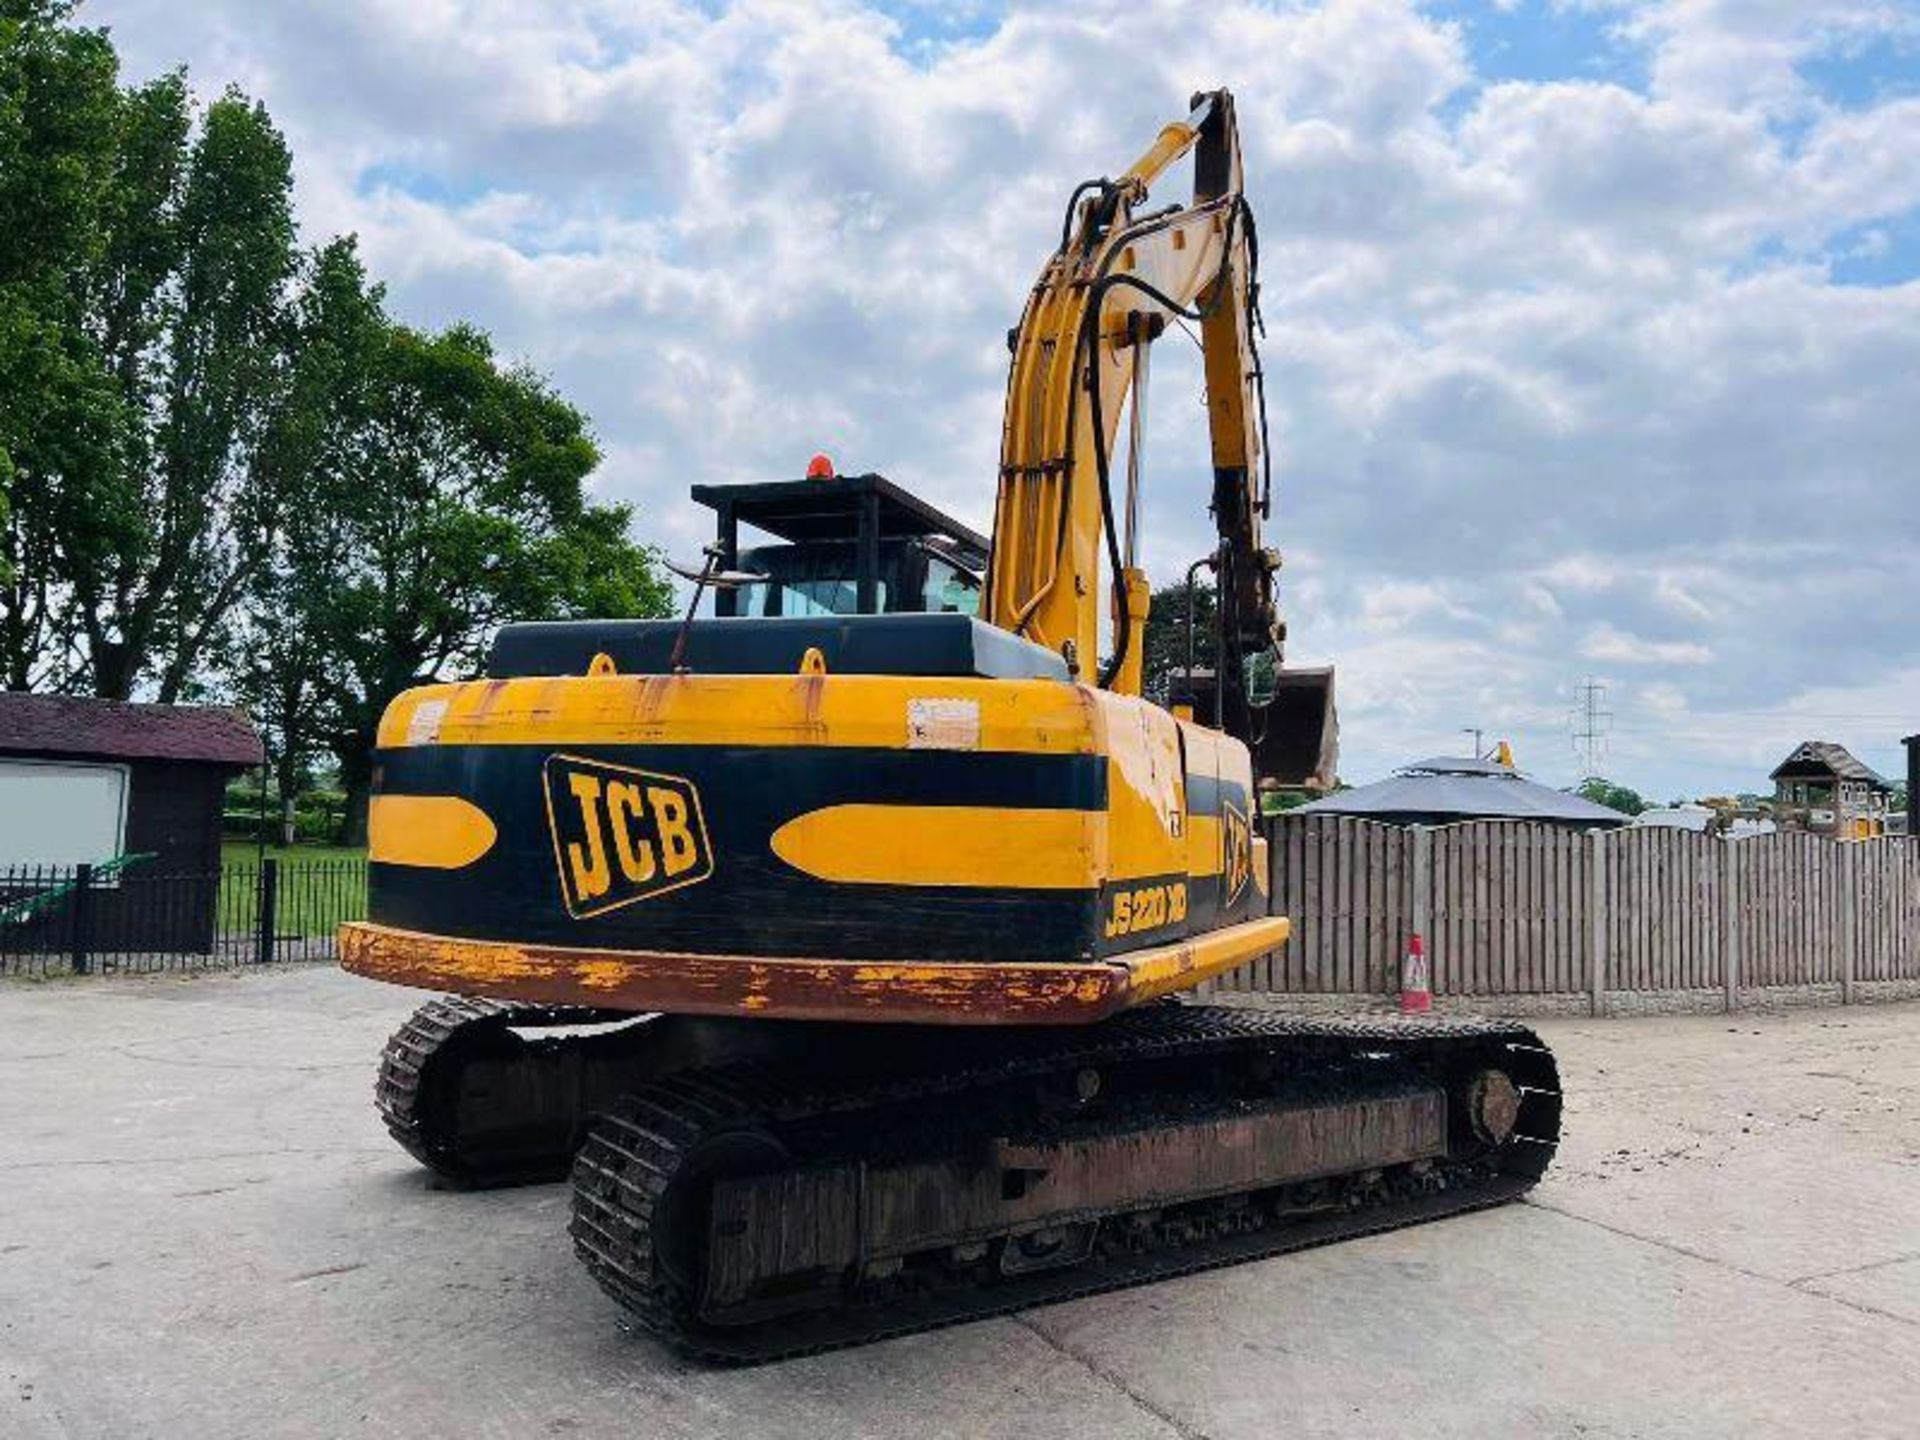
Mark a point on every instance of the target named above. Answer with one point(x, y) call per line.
point(205, 1233)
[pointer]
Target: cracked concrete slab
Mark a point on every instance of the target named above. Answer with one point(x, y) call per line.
point(1891, 1287)
point(206, 1233)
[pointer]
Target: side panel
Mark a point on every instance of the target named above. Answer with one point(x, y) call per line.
point(1219, 829)
point(680, 847)
point(1147, 894)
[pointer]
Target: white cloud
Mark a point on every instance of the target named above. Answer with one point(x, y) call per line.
point(1558, 374)
point(1607, 643)
point(1744, 54)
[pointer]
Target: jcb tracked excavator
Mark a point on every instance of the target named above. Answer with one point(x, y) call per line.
point(822, 948)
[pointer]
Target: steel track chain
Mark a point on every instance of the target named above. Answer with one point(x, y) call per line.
point(631, 1156)
point(424, 1055)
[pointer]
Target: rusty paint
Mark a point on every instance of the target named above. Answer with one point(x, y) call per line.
point(647, 700)
point(1039, 716)
point(718, 984)
point(912, 992)
point(490, 692)
point(602, 974)
point(812, 687)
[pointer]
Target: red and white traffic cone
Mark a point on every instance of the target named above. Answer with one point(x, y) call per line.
point(1416, 988)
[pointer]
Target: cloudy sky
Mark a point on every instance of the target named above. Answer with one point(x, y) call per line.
point(1594, 325)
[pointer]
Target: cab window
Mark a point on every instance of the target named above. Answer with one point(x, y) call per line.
point(826, 596)
point(950, 590)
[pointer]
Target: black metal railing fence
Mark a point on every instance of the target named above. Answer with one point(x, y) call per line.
point(128, 917)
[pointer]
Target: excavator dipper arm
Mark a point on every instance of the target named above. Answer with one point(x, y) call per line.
point(1119, 278)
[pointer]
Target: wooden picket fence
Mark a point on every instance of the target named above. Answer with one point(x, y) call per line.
point(1515, 909)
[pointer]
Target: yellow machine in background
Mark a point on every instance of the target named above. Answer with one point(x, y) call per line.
point(820, 939)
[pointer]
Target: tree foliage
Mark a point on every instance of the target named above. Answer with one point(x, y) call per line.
point(143, 263)
point(1164, 663)
point(60, 418)
point(1614, 797)
point(440, 495)
point(224, 468)
point(188, 303)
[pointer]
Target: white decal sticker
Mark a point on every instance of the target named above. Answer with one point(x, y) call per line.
point(943, 724)
point(423, 726)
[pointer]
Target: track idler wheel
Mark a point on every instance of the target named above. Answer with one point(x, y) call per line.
point(1487, 1104)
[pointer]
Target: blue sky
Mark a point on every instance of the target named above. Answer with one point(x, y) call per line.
point(1867, 72)
point(1539, 41)
point(1594, 324)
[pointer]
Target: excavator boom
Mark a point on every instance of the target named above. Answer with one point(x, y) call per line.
point(1065, 547)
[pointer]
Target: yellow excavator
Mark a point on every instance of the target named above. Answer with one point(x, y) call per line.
point(834, 944)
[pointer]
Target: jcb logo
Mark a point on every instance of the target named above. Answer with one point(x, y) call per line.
point(622, 835)
point(1237, 836)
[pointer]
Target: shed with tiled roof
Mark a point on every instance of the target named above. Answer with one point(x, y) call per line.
point(133, 790)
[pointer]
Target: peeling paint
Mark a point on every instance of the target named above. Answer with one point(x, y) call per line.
point(904, 991)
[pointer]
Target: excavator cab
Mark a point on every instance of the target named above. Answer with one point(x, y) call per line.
point(852, 545)
point(861, 545)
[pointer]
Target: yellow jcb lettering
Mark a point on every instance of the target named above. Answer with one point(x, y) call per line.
point(678, 848)
point(635, 854)
point(590, 875)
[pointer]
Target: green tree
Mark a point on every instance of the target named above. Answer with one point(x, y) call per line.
point(223, 459)
point(1163, 666)
point(437, 494)
point(1614, 797)
point(279, 662)
point(187, 303)
point(143, 264)
point(61, 419)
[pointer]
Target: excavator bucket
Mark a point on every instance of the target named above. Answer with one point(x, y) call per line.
point(1297, 744)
